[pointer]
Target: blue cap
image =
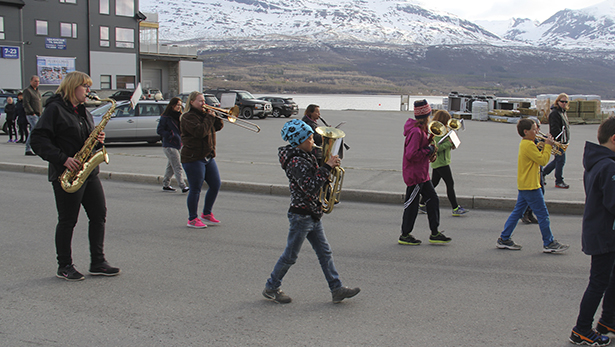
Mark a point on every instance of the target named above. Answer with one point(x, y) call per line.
point(296, 132)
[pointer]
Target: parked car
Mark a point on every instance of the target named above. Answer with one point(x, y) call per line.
point(122, 94)
point(248, 105)
point(129, 124)
point(152, 94)
point(282, 106)
point(210, 99)
point(10, 91)
point(46, 95)
point(3, 98)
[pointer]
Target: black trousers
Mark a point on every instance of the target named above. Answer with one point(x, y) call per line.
point(445, 174)
point(411, 207)
point(601, 283)
point(92, 197)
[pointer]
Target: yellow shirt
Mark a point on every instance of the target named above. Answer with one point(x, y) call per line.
point(529, 163)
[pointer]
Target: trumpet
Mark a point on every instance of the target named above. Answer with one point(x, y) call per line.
point(230, 115)
point(557, 149)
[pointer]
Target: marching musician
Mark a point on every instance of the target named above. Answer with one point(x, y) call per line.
point(418, 153)
point(60, 133)
point(530, 193)
point(198, 134)
point(305, 180)
point(311, 117)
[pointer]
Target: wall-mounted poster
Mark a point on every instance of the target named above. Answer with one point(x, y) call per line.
point(51, 70)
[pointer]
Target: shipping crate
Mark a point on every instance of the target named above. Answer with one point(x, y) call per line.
point(589, 106)
point(528, 111)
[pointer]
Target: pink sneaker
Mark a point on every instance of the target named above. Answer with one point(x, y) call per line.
point(196, 223)
point(209, 218)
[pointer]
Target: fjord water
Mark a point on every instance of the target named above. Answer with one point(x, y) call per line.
point(354, 101)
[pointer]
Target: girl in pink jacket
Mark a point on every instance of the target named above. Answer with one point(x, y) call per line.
point(418, 152)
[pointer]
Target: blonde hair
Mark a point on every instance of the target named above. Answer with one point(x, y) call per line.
point(70, 82)
point(560, 97)
point(191, 98)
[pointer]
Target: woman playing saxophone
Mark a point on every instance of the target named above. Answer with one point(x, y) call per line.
point(60, 133)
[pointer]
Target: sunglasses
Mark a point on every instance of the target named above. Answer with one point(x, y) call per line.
point(564, 101)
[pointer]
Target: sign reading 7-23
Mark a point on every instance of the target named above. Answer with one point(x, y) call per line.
point(10, 52)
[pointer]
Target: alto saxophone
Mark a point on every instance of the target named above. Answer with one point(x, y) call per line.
point(71, 181)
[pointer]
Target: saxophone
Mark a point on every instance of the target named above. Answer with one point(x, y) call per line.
point(71, 181)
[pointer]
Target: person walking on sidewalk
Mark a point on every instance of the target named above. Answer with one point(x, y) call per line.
point(198, 135)
point(32, 104)
point(598, 239)
point(305, 179)
point(559, 128)
point(168, 129)
point(22, 121)
point(528, 183)
point(61, 132)
point(9, 109)
point(419, 151)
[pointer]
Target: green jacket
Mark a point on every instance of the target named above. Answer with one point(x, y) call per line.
point(444, 153)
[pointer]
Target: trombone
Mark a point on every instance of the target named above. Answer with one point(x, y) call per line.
point(230, 115)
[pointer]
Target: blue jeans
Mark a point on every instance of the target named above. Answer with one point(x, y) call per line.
point(601, 283)
point(536, 201)
point(305, 227)
point(198, 172)
point(558, 164)
point(32, 120)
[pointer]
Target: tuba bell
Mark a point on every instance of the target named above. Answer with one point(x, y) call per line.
point(436, 128)
point(332, 139)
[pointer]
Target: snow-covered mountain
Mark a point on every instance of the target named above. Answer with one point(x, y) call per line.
point(360, 21)
point(383, 22)
point(591, 27)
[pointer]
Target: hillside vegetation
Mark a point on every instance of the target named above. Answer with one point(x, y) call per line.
point(434, 70)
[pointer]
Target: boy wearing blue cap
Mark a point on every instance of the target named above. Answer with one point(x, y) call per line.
point(305, 180)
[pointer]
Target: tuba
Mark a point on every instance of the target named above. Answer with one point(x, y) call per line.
point(71, 181)
point(331, 145)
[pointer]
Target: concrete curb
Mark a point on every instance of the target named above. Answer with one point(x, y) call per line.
point(369, 196)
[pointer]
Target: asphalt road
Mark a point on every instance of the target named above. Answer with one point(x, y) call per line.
point(186, 287)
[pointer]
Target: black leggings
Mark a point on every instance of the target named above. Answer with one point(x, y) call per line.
point(12, 129)
point(445, 173)
point(92, 197)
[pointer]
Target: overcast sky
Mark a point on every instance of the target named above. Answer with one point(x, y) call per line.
point(505, 9)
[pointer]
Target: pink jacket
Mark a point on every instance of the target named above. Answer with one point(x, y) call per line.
point(415, 166)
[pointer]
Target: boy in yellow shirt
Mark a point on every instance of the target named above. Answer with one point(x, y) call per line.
point(528, 183)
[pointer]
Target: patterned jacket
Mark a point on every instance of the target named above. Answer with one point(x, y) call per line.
point(305, 179)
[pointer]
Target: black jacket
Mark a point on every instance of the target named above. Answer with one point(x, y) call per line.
point(168, 128)
point(9, 109)
point(599, 216)
point(20, 113)
point(305, 179)
point(558, 125)
point(60, 133)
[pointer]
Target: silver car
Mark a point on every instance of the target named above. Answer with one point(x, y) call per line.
point(129, 124)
